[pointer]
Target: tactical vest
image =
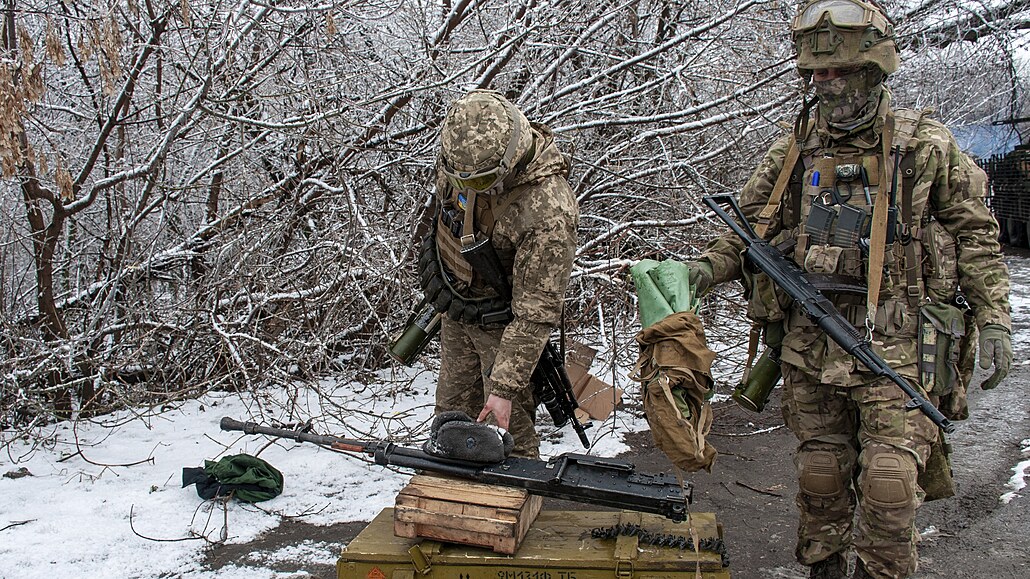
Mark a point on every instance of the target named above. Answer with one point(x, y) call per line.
point(827, 216)
point(447, 279)
point(826, 223)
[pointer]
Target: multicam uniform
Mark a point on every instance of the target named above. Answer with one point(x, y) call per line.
point(532, 225)
point(848, 422)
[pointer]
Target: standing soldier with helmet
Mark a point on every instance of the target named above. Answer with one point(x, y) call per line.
point(866, 196)
point(498, 260)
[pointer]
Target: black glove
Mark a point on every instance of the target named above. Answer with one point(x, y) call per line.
point(454, 435)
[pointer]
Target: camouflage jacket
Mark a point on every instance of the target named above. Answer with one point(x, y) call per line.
point(950, 218)
point(535, 237)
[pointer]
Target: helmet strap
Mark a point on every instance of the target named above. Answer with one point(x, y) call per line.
point(801, 122)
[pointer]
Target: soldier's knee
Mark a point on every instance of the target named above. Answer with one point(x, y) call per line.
point(821, 474)
point(889, 478)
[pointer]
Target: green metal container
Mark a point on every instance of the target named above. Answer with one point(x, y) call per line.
point(754, 392)
point(558, 546)
point(416, 336)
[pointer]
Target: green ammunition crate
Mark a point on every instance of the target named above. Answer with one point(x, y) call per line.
point(559, 545)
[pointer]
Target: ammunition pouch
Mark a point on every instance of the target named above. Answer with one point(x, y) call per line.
point(940, 266)
point(445, 298)
point(942, 328)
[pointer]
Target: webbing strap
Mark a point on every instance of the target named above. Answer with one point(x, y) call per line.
point(765, 217)
point(912, 265)
point(878, 234)
point(752, 350)
point(468, 234)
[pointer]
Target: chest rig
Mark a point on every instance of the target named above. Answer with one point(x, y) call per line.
point(830, 219)
point(450, 282)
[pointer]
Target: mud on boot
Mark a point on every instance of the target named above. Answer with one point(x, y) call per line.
point(832, 567)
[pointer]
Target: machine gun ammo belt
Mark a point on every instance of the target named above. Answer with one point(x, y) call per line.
point(711, 544)
point(439, 292)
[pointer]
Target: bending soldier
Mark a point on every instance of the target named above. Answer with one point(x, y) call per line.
point(504, 204)
point(863, 194)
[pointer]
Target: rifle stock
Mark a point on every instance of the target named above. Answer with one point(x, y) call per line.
point(574, 477)
point(789, 277)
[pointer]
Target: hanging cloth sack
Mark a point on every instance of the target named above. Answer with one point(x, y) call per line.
point(675, 374)
point(245, 477)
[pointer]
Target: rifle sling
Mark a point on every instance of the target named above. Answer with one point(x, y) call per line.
point(776, 196)
point(878, 234)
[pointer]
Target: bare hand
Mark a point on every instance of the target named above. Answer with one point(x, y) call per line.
point(499, 407)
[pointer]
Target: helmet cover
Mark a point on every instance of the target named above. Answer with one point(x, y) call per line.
point(843, 34)
point(483, 137)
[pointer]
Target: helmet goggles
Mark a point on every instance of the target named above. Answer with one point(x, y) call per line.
point(478, 181)
point(853, 14)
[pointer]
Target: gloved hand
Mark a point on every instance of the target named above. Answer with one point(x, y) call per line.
point(995, 350)
point(702, 276)
point(454, 435)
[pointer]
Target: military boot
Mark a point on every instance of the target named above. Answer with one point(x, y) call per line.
point(832, 567)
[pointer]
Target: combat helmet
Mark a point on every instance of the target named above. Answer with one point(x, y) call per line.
point(482, 140)
point(843, 34)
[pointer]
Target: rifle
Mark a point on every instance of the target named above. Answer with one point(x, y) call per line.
point(551, 384)
point(573, 477)
point(789, 277)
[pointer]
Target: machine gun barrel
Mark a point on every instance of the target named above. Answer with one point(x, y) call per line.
point(574, 477)
point(789, 277)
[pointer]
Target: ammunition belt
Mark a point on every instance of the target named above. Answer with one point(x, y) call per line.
point(711, 544)
point(441, 294)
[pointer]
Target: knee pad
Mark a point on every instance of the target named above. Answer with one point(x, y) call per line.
point(889, 480)
point(820, 474)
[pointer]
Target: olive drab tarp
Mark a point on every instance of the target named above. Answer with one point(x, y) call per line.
point(674, 365)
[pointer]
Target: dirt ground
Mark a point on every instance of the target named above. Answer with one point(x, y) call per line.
point(751, 490)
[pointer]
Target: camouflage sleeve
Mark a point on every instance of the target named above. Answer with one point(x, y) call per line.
point(543, 263)
point(724, 251)
point(961, 187)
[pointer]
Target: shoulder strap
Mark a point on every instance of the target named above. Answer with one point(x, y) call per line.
point(907, 122)
point(765, 217)
point(878, 233)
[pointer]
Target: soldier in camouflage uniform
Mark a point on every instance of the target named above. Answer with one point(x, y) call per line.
point(500, 180)
point(860, 451)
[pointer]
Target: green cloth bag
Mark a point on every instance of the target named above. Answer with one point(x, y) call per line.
point(650, 301)
point(673, 279)
point(663, 288)
point(245, 477)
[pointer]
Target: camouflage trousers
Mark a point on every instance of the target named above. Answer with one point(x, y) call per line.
point(467, 354)
point(859, 452)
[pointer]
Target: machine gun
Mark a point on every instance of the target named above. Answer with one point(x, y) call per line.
point(573, 477)
point(789, 277)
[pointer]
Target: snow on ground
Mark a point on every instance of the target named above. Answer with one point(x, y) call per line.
point(1019, 297)
point(104, 499)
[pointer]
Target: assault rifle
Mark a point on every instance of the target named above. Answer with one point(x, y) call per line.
point(789, 277)
point(573, 477)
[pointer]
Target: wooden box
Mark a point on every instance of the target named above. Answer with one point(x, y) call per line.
point(464, 512)
point(559, 545)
